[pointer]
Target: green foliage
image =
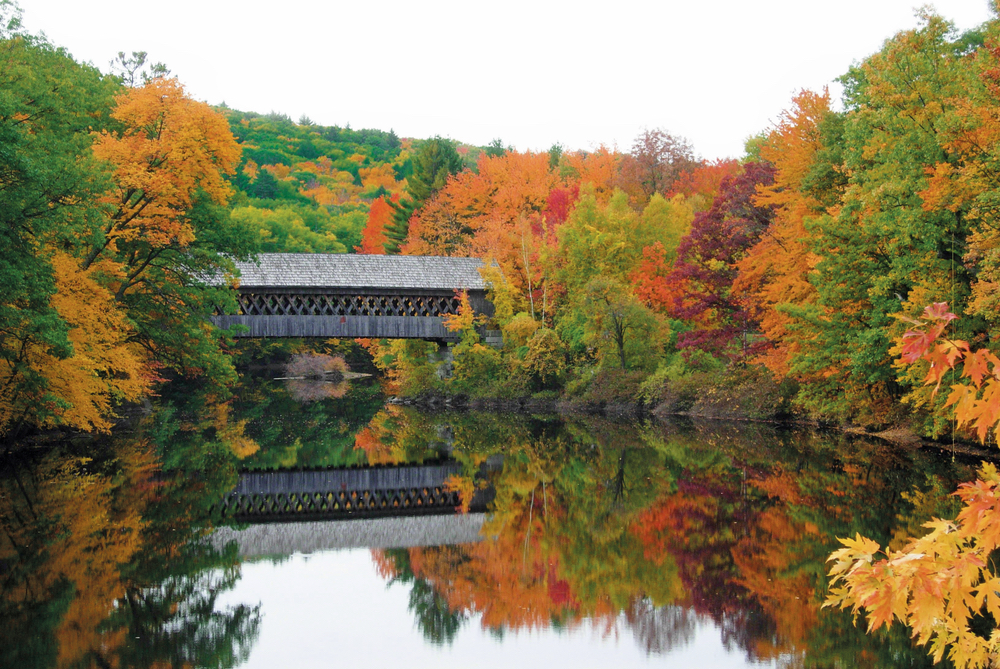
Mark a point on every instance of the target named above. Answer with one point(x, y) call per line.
point(599, 241)
point(619, 326)
point(295, 434)
point(283, 230)
point(476, 368)
point(545, 359)
point(884, 252)
point(50, 186)
point(434, 161)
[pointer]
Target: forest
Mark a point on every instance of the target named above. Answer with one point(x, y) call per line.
point(794, 268)
point(841, 271)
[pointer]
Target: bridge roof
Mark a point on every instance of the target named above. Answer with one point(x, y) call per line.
point(348, 270)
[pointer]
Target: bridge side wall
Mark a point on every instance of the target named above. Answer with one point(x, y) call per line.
point(374, 327)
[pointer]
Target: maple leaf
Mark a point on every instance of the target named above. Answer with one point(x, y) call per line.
point(938, 312)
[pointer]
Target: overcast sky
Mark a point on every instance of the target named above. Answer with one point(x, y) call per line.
point(531, 73)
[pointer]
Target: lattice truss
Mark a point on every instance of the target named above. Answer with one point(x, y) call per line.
point(337, 503)
point(292, 304)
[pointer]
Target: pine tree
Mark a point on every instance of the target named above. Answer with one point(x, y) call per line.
point(434, 162)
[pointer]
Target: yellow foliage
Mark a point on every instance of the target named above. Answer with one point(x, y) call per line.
point(94, 525)
point(279, 172)
point(231, 434)
point(519, 330)
point(251, 169)
point(172, 146)
point(465, 319)
point(465, 487)
point(381, 175)
point(104, 368)
point(937, 583)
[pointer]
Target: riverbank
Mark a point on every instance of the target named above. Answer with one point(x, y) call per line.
point(742, 397)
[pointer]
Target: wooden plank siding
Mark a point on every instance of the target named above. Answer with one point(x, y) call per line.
point(349, 327)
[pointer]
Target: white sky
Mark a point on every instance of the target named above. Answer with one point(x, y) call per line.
point(532, 73)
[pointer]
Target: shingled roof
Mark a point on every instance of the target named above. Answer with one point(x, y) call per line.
point(347, 270)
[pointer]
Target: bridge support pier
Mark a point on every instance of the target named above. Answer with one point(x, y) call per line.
point(444, 360)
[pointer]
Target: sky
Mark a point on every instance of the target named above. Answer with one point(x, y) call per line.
point(530, 73)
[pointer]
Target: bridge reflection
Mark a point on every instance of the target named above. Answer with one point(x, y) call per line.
point(276, 539)
point(389, 506)
point(356, 492)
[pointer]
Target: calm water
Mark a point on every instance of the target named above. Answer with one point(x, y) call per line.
point(273, 532)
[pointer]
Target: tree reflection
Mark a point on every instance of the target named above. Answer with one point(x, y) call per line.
point(102, 556)
point(661, 629)
point(176, 622)
point(668, 531)
point(437, 621)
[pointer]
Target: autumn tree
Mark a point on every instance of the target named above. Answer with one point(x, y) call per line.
point(599, 168)
point(64, 354)
point(617, 323)
point(722, 324)
point(671, 219)
point(885, 249)
point(166, 231)
point(944, 585)
point(777, 269)
point(701, 183)
point(963, 178)
point(433, 163)
point(373, 237)
point(655, 162)
point(499, 212)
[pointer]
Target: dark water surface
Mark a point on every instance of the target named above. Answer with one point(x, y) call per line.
point(271, 532)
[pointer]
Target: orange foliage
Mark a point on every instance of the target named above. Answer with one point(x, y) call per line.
point(937, 584)
point(776, 270)
point(171, 146)
point(489, 214)
point(465, 486)
point(940, 583)
point(231, 433)
point(379, 452)
point(704, 181)
point(373, 237)
point(767, 559)
point(383, 439)
point(93, 528)
point(977, 403)
point(599, 168)
point(381, 175)
point(966, 182)
point(650, 279)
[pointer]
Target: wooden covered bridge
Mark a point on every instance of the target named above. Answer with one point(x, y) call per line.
point(350, 295)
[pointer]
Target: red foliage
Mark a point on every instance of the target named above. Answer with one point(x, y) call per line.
point(703, 274)
point(705, 180)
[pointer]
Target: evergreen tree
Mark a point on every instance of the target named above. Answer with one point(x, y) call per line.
point(433, 163)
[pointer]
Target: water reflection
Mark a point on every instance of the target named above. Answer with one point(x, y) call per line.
point(103, 564)
point(684, 538)
point(656, 527)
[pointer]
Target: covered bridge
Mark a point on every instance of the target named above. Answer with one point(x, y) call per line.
point(349, 295)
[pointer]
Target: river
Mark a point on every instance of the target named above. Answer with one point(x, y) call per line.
point(303, 529)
